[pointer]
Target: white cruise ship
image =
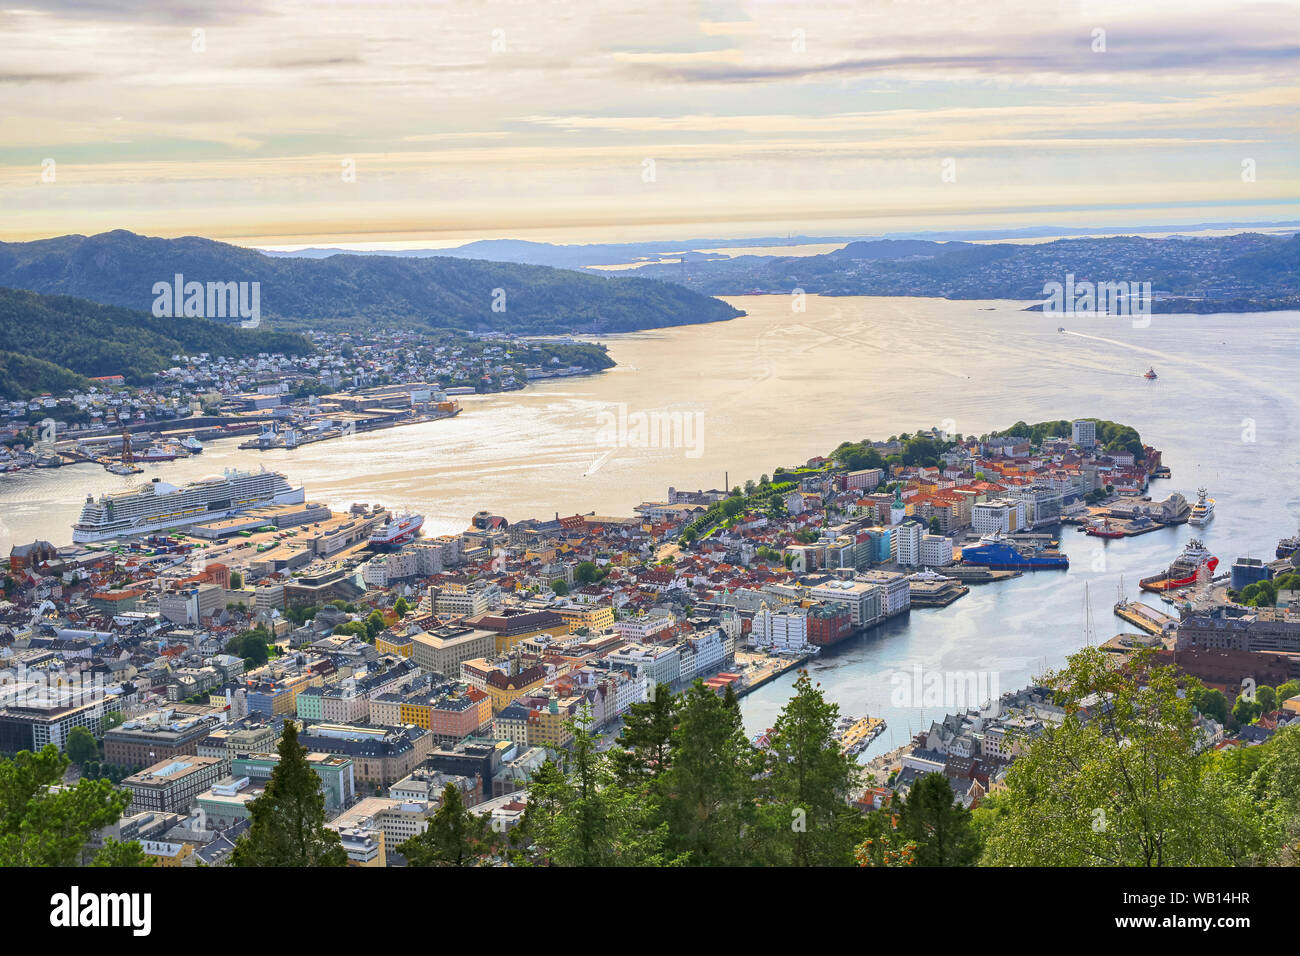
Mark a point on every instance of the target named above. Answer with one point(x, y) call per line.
point(158, 506)
point(1203, 511)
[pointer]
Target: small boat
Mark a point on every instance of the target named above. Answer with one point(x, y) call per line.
point(1060, 328)
point(1150, 374)
point(1102, 529)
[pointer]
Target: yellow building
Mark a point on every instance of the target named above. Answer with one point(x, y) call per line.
point(388, 643)
point(594, 617)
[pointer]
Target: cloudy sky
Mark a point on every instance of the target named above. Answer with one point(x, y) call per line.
point(423, 122)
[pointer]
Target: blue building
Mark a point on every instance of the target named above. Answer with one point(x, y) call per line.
point(1247, 571)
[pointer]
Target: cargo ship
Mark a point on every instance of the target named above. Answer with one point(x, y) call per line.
point(158, 505)
point(402, 528)
point(995, 553)
point(1184, 570)
point(1203, 510)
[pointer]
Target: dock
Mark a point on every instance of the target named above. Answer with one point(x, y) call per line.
point(763, 668)
point(1143, 616)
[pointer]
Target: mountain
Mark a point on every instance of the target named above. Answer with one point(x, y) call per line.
point(48, 343)
point(347, 291)
point(1240, 273)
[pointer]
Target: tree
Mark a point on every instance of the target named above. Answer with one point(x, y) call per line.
point(374, 624)
point(806, 785)
point(646, 740)
point(938, 826)
point(236, 580)
point(251, 646)
point(1211, 703)
point(1267, 698)
point(560, 587)
point(1122, 781)
point(288, 819)
point(1246, 710)
point(115, 853)
point(708, 790)
point(586, 572)
point(884, 845)
point(581, 817)
point(401, 607)
point(454, 837)
point(81, 746)
point(41, 826)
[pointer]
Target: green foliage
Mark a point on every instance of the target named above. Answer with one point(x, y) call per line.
point(938, 827)
point(1110, 435)
point(454, 837)
point(288, 819)
point(805, 785)
point(402, 607)
point(81, 746)
point(582, 818)
point(1211, 703)
point(41, 826)
point(251, 645)
point(1128, 786)
point(115, 853)
point(708, 790)
point(88, 339)
point(560, 587)
point(236, 580)
point(22, 376)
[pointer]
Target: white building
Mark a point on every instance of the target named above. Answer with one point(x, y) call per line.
point(936, 550)
point(785, 629)
point(1084, 433)
point(908, 549)
point(1001, 515)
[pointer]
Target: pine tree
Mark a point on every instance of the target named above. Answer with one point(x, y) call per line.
point(647, 738)
point(288, 819)
point(807, 783)
point(708, 790)
point(940, 828)
point(454, 837)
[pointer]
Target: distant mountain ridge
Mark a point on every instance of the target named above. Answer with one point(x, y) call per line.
point(353, 291)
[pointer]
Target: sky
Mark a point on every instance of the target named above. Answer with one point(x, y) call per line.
point(420, 122)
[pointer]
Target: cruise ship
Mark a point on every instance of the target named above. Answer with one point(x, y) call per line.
point(995, 553)
point(403, 527)
point(158, 505)
point(1203, 510)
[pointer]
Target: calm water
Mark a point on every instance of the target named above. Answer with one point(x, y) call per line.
point(777, 387)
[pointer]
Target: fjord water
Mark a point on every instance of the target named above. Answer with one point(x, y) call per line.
point(777, 387)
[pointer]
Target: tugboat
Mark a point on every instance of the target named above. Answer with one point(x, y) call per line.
point(1150, 374)
point(1184, 570)
point(1102, 529)
point(1203, 510)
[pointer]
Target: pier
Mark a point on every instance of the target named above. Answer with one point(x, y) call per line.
point(1144, 616)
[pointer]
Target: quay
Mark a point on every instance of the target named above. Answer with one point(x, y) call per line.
point(1144, 616)
point(761, 669)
